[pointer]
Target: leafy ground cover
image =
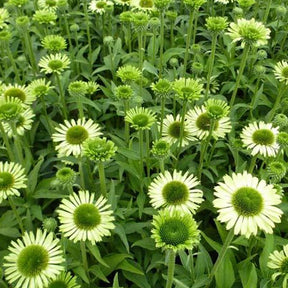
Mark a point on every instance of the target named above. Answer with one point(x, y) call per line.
point(143, 143)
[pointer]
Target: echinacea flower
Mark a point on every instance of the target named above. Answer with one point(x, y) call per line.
point(45, 16)
point(171, 130)
point(278, 260)
point(83, 218)
point(54, 43)
point(66, 176)
point(143, 5)
point(71, 135)
point(23, 123)
point(160, 148)
point(64, 280)
point(175, 192)
point(12, 178)
point(39, 87)
point(174, 230)
point(261, 138)
point(162, 87)
point(247, 204)
point(216, 24)
point(4, 16)
point(124, 92)
point(281, 71)
point(55, 63)
point(140, 118)
point(128, 74)
point(10, 109)
point(99, 6)
point(200, 122)
point(99, 149)
point(249, 32)
point(34, 260)
point(188, 88)
point(47, 4)
point(20, 92)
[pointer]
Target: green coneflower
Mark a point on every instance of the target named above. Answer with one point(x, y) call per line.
point(276, 170)
point(194, 4)
point(45, 16)
point(280, 120)
point(124, 92)
point(171, 130)
point(77, 88)
point(175, 192)
point(34, 260)
point(55, 63)
point(282, 140)
point(123, 2)
point(64, 280)
point(249, 32)
point(10, 109)
point(54, 43)
point(175, 230)
point(140, 118)
point(128, 74)
point(48, 4)
point(143, 5)
point(4, 16)
point(161, 148)
point(140, 20)
point(261, 138)
point(99, 6)
point(66, 176)
point(281, 71)
point(216, 24)
point(247, 204)
point(278, 260)
point(162, 87)
point(91, 87)
point(39, 87)
point(246, 3)
point(200, 122)
point(216, 109)
point(18, 3)
point(83, 218)
point(23, 122)
point(99, 149)
point(188, 89)
point(12, 178)
point(49, 224)
point(20, 92)
point(71, 135)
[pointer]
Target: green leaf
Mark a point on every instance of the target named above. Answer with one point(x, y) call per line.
point(36, 211)
point(216, 246)
point(264, 256)
point(96, 270)
point(146, 243)
point(225, 274)
point(139, 280)
point(127, 266)
point(119, 230)
point(113, 261)
point(95, 252)
point(33, 175)
point(10, 232)
point(80, 271)
point(248, 274)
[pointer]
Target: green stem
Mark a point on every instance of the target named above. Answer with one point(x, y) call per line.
point(268, 6)
point(12, 61)
point(67, 30)
point(240, 73)
point(7, 143)
point(252, 163)
point(195, 27)
point(127, 128)
point(147, 152)
point(15, 211)
point(272, 112)
point(182, 126)
point(62, 96)
point(141, 152)
point(102, 178)
point(162, 166)
point(211, 64)
point(161, 43)
point(30, 51)
point(81, 172)
point(171, 268)
point(162, 114)
point(48, 120)
point(221, 256)
point(254, 98)
point(189, 34)
point(84, 258)
point(88, 32)
point(204, 146)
